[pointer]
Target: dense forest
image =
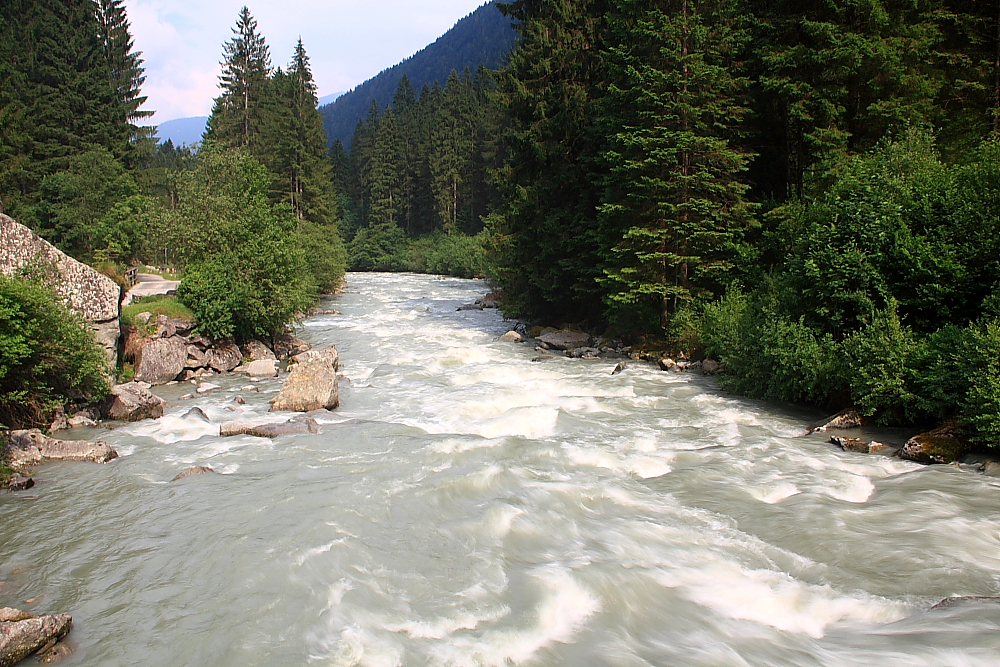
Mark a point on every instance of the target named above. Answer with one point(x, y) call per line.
point(483, 38)
point(808, 192)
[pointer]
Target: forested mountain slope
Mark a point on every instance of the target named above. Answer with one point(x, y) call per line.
point(483, 37)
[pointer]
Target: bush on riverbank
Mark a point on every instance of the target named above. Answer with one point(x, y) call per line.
point(246, 273)
point(388, 249)
point(887, 298)
point(47, 355)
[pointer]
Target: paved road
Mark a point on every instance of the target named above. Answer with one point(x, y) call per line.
point(148, 285)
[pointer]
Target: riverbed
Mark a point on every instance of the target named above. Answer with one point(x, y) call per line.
point(468, 506)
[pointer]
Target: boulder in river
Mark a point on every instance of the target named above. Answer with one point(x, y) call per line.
point(852, 444)
point(287, 345)
point(19, 482)
point(565, 339)
point(255, 350)
point(32, 446)
point(262, 368)
point(329, 353)
point(511, 337)
point(272, 430)
point(311, 385)
point(192, 471)
point(21, 638)
point(942, 445)
point(161, 360)
point(131, 402)
point(965, 599)
point(843, 419)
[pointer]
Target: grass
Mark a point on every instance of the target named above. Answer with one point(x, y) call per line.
point(157, 305)
point(169, 274)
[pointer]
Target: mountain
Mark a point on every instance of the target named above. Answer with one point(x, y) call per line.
point(483, 37)
point(330, 99)
point(182, 130)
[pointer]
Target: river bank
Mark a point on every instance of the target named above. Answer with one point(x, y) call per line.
point(467, 506)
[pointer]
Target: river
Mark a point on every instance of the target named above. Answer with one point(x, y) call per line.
point(467, 506)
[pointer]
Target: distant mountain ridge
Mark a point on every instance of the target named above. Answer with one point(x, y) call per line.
point(483, 37)
point(182, 131)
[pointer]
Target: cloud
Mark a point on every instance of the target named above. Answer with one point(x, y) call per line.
point(347, 42)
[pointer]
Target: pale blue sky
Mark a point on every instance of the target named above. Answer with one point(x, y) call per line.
point(347, 41)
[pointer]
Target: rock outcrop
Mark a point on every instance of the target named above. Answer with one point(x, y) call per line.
point(29, 634)
point(311, 385)
point(92, 294)
point(255, 350)
point(194, 470)
point(132, 402)
point(224, 357)
point(31, 447)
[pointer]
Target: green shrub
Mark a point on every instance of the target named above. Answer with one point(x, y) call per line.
point(47, 355)
point(980, 407)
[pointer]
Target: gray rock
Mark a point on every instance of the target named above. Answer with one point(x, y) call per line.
point(162, 360)
point(491, 300)
point(197, 358)
point(10, 615)
point(59, 423)
point(143, 317)
point(666, 364)
point(565, 339)
point(262, 368)
point(166, 327)
point(882, 448)
point(19, 482)
point(19, 639)
point(710, 366)
point(843, 419)
point(78, 421)
point(991, 468)
point(329, 353)
point(272, 430)
point(224, 357)
point(310, 385)
point(511, 337)
point(196, 414)
point(201, 342)
point(622, 365)
point(57, 653)
point(32, 446)
point(287, 345)
point(583, 353)
point(255, 350)
point(131, 402)
point(207, 387)
point(194, 470)
point(470, 306)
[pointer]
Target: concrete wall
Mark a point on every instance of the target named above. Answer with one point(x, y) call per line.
point(86, 291)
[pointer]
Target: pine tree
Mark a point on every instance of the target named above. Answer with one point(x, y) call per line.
point(545, 242)
point(672, 193)
point(452, 144)
point(238, 114)
point(126, 73)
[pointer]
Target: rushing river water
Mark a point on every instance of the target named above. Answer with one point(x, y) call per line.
point(467, 506)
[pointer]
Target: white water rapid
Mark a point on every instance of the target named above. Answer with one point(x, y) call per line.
point(469, 507)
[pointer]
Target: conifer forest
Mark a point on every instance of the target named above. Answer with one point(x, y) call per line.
point(807, 192)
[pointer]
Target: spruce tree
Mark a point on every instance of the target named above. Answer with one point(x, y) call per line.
point(672, 194)
point(126, 73)
point(238, 114)
point(452, 144)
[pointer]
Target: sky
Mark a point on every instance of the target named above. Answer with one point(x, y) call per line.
point(348, 41)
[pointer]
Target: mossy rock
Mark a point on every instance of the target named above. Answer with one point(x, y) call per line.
point(942, 445)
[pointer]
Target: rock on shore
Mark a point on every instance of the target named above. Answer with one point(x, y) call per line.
point(132, 402)
point(31, 447)
point(22, 634)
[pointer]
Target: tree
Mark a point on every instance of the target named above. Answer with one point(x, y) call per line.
point(126, 74)
point(238, 114)
point(672, 192)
